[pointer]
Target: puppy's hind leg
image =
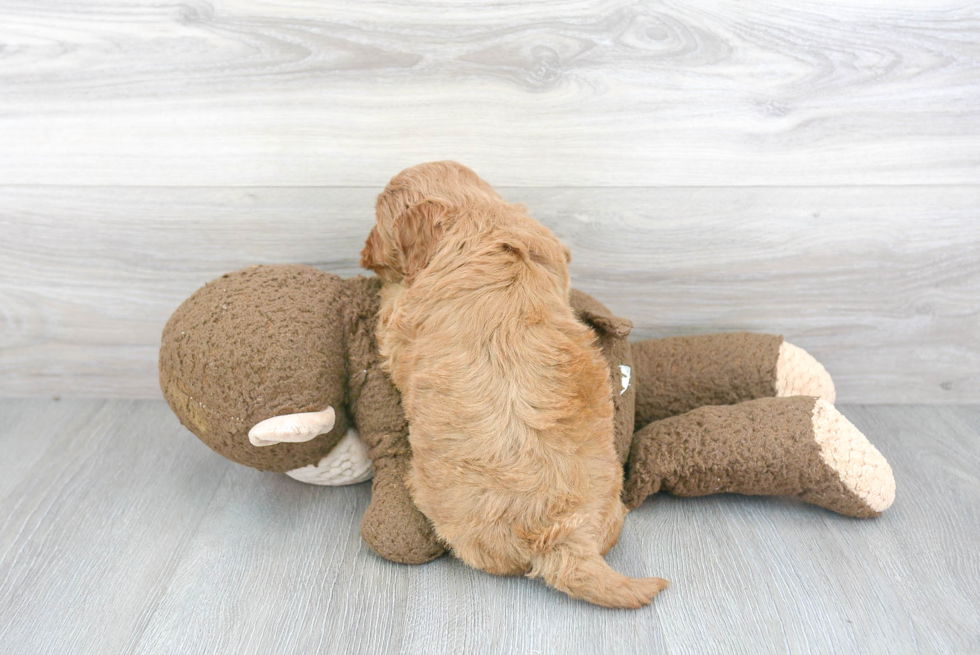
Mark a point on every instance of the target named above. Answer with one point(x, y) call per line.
point(611, 527)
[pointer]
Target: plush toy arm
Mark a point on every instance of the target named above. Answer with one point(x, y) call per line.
point(798, 446)
point(392, 525)
point(678, 374)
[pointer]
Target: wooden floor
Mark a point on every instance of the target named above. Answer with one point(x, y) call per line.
point(121, 533)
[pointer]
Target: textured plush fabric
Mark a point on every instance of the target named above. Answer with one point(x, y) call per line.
point(760, 447)
point(612, 335)
point(253, 344)
point(392, 525)
point(676, 375)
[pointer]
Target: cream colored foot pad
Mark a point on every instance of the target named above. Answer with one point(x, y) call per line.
point(799, 374)
point(860, 466)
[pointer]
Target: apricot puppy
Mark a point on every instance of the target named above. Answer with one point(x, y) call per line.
point(507, 395)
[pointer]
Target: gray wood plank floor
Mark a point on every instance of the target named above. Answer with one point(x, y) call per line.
point(121, 533)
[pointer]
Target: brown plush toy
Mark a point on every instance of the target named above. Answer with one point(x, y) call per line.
point(276, 367)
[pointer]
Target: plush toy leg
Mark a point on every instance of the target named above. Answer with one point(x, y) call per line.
point(678, 374)
point(799, 446)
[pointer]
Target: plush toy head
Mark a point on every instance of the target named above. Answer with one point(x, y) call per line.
point(253, 344)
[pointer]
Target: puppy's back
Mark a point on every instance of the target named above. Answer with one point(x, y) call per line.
point(511, 414)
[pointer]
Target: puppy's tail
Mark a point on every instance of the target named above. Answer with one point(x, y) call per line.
point(585, 575)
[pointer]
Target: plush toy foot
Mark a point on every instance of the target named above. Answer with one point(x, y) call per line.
point(392, 526)
point(861, 469)
point(799, 374)
point(799, 446)
point(679, 374)
point(347, 463)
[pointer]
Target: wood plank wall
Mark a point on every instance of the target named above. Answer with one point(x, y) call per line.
point(811, 169)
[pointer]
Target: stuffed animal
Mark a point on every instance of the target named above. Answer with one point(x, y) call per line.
point(276, 367)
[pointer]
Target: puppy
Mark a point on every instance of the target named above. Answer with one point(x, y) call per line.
point(506, 393)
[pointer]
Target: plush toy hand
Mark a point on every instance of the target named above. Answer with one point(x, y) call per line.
point(292, 428)
point(392, 526)
point(678, 374)
point(347, 463)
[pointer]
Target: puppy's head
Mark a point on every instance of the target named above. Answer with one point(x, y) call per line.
point(414, 212)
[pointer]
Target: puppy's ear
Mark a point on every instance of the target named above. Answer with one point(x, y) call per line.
point(372, 254)
point(374, 258)
point(418, 230)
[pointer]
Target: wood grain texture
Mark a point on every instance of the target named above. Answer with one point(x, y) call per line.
point(129, 536)
point(881, 284)
point(600, 93)
point(92, 529)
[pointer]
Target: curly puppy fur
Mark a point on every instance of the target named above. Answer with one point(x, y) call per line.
point(506, 392)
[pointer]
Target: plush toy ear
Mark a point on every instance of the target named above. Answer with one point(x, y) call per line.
point(418, 230)
point(603, 321)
